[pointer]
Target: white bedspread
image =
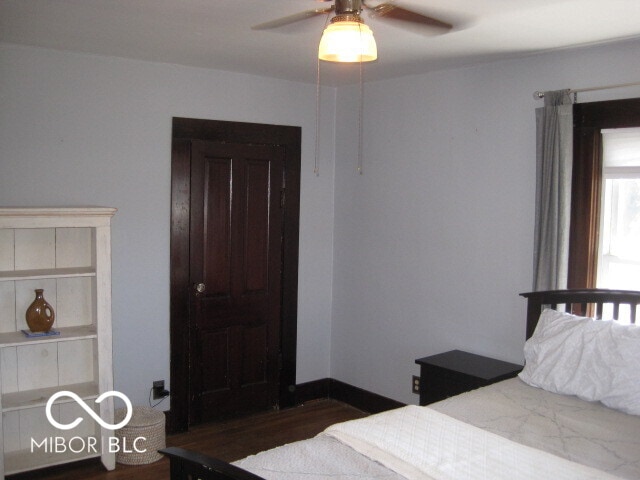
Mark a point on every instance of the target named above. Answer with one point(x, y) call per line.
point(420, 443)
point(319, 458)
point(586, 433)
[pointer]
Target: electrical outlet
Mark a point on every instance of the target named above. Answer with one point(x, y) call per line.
point(415, 385)
point(158, 390)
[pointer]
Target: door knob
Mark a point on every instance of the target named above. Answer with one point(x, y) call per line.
point(200, 287)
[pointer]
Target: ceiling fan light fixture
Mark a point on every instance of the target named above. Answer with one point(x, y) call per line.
point(347, 41)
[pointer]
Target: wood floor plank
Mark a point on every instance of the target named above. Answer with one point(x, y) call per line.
point(227, 440)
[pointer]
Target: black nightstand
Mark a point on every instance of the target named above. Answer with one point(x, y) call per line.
point(451, 373)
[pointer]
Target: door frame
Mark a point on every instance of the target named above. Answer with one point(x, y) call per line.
point(184, 130)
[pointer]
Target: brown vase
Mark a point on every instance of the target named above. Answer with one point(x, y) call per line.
point(40, 315)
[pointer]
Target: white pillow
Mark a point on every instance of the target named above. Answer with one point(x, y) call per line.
point(596, 360)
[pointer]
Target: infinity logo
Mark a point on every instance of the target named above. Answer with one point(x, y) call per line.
point(89, 410)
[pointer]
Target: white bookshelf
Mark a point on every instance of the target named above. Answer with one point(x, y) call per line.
point(66, 252)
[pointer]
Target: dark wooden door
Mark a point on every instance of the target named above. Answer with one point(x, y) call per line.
point(184, 132)
point(235, 274)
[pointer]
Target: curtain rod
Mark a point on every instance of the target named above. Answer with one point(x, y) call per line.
point(539, 94)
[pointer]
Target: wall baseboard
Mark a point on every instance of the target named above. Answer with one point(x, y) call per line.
point(343, 392)
point(335, 389)
point(313, 390)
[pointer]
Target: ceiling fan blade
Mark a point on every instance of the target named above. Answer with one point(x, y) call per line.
point(296, 17)
point(393, 12)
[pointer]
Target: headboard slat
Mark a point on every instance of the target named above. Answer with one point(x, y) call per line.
point(585, 297)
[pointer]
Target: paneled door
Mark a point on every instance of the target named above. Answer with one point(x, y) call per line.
point(235, 256)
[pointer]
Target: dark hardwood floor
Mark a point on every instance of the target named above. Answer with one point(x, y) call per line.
point(227, 440)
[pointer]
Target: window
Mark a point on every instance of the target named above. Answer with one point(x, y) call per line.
point(619, 245)
point(604, 244)
point(590, 121)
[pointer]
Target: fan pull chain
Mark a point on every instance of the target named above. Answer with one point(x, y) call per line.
point(360, 110)
point(316, 167)
point(360, 119)
point(316, 162)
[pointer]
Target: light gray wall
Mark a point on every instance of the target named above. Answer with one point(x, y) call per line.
point(445, 203)
point(434, 242)
point(80, 129)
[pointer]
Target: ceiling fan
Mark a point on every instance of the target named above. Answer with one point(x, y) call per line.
point(386, 10)
point(347, 20)
point(347, 39)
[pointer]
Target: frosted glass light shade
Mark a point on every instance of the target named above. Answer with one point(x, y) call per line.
point(347, 41)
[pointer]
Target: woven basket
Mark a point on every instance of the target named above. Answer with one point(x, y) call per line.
point(145, 422)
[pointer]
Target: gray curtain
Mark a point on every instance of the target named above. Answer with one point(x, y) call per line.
point(554, 152)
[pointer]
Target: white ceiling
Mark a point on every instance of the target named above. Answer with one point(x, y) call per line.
point(217, 33)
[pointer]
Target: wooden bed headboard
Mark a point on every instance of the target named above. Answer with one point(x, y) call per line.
point(579, 302)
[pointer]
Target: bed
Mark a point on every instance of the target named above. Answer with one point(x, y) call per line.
point(574, 413)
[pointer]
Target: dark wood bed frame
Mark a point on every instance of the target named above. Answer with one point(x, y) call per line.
point(188, 465)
